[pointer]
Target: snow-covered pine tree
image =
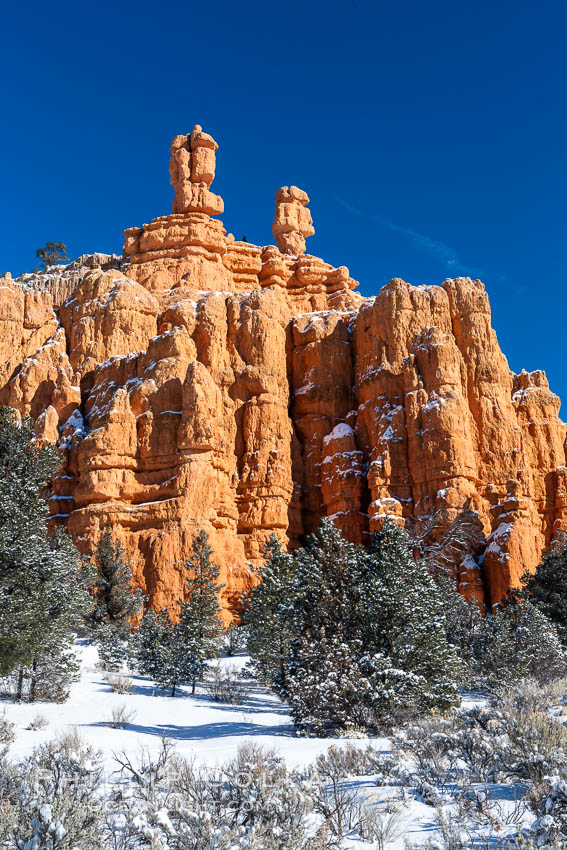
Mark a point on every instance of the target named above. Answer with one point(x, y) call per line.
point(155, 650)
point(518, 641)
point(371, 641)
point(269, 629)
point(175, 652)
point(463, 620)
point(114, 646)
point(55, 665)
point(407, 659)
point(235, 637)
point(321, 680)
point(116, 603)
point(547, 587)
point(52, 670)
point(200, 623)
point(146, 644)
point(43, 582)
point(24, 470)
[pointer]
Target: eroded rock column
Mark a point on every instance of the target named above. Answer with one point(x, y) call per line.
point(292, 220)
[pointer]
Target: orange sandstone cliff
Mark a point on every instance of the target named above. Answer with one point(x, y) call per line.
point(201, 382)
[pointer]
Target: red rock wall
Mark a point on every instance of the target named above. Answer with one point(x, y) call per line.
point(216, 384)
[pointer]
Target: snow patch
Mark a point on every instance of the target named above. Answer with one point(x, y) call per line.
point(339, 432)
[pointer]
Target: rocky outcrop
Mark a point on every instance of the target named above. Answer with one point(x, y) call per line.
point(203, 382)
point(292, 220)
point(61, 281)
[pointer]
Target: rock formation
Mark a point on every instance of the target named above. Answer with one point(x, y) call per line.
point(192, 170)
point(292, 220)
point(203, 382)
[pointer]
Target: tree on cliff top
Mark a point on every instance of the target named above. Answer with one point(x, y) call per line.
point(52, 254)
point(43, 582)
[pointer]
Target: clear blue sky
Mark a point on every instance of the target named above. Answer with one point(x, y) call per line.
point(431, 136)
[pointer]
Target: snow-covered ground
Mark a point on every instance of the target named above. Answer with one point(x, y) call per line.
point(200, 728)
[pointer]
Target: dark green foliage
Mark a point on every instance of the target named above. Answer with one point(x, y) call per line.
point(269, 633)
point(513, 641)
point(114, 646)
point(159, 652)
point(526, 636)
point(43, 584)
point(53, 254)
point(547, 587)
point(463, 622)
point(235, 638)
point(517, 641)
point(321, 678)
point(52, 670)
point(200, 617)
point(362, 634)
point(411, 665)
point(175, 653)
point(116, 603)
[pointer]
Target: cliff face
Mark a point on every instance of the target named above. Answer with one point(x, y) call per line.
point(209, 383)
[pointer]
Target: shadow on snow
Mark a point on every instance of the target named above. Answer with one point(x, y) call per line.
point(206, 731)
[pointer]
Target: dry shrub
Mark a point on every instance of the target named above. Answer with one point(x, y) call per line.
point(38, 722)
point(225, 685)
point(122, 716)
point(119, 683)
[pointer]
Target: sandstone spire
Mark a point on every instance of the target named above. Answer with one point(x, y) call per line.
point(192, 170)
point(292, 220)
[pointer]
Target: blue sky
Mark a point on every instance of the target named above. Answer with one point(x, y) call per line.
point(431, 137)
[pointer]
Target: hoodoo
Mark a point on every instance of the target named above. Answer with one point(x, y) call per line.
point(292, 221)
point(206, 383)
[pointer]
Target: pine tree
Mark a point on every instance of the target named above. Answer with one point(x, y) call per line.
point(320, 680)
point(407, 658)
point(53, 254)
point(235, 637)
point(269, 629)
point(370, 639)
point(52, 670)
point(43, 583)
point(160, 651)
point(55, 665)
point(116, 603)
point(518, 641)
point(200, 616)
point(547, 587)
point(176, 653)
point(114, 646)
point(148, 640)
point(463, 620)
